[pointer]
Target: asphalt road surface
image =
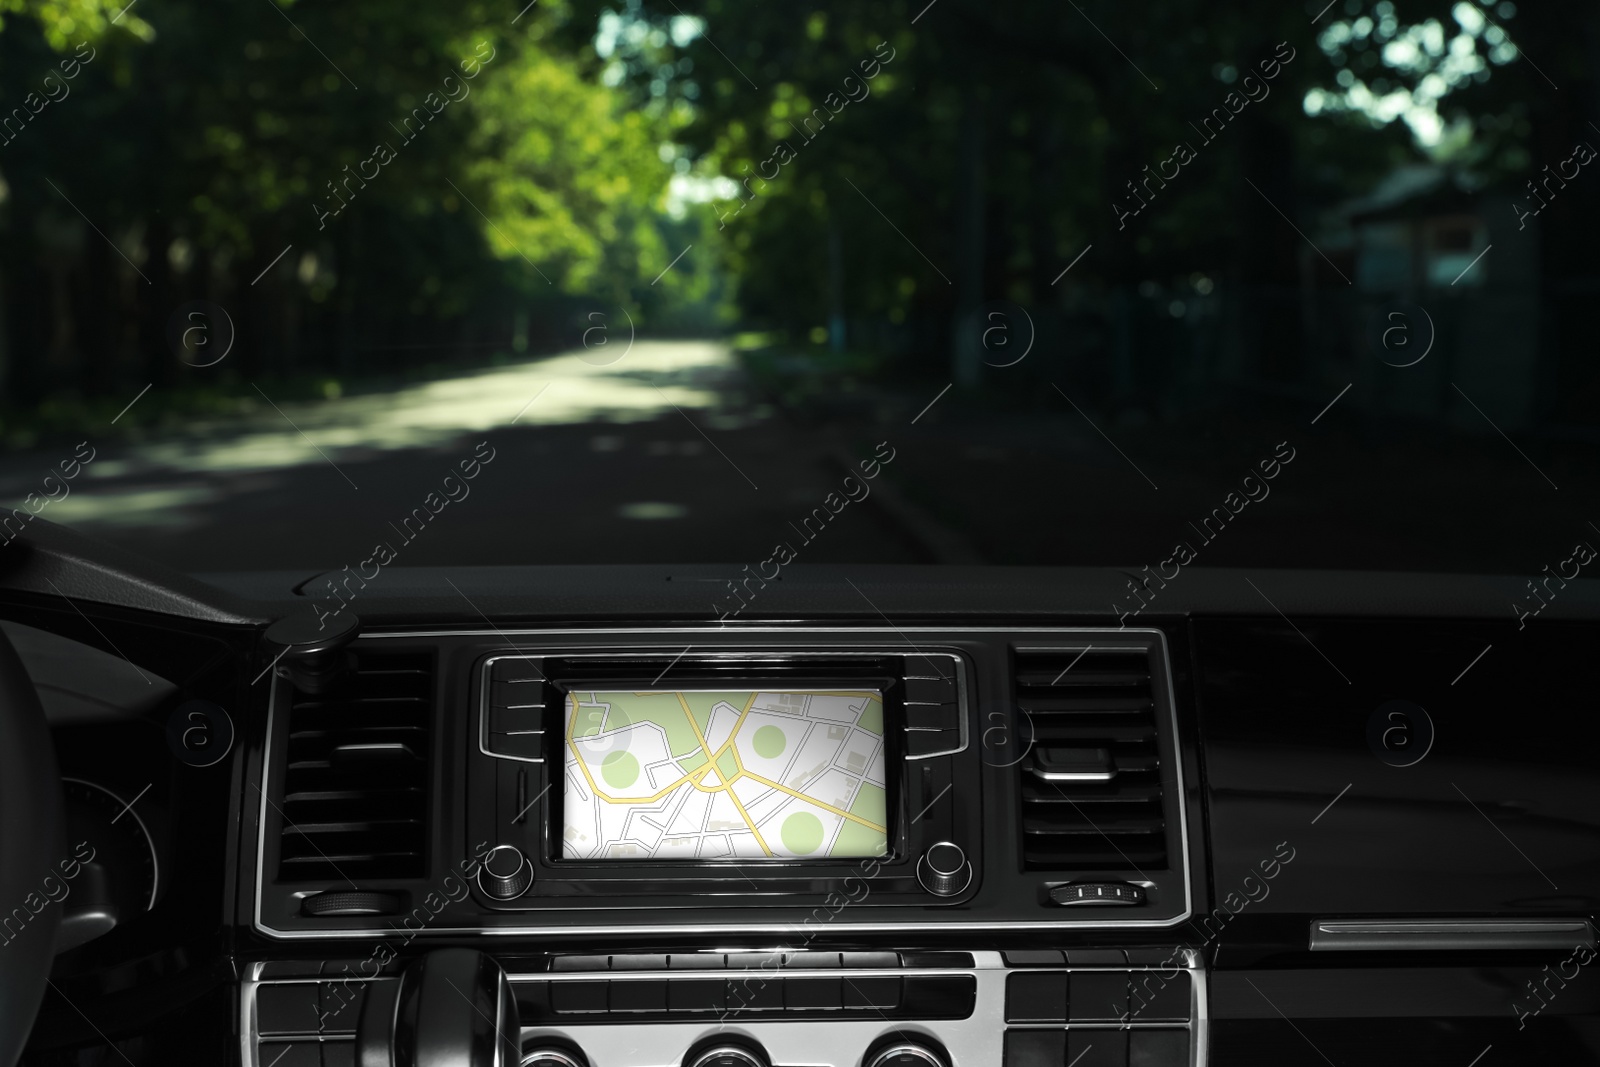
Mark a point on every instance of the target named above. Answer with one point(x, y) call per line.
point(668, 455)
point(661, 456)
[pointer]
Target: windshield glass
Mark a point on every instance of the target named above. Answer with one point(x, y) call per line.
point(302, 285)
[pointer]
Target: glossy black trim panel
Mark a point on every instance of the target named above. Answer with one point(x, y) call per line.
point(1450, 935)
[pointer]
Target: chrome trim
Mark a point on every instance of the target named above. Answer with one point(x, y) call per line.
point(924, 865)
point(732, 973)
point(560, 1058)
point(150, 842)
point(506, 879)
point(1073, 776)
point(1447, 935)
point(739, 1051)
point(484, 687)
point(905, 1048)
point(1199, 1010)
point(782, 929)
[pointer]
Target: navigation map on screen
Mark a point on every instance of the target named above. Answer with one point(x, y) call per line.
point(698, 775)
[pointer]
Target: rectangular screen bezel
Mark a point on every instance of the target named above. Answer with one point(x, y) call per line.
point(670, 886)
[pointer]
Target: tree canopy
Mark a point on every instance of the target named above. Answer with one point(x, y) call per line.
point(360, 181)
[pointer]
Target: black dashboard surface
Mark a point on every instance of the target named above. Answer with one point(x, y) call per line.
point(1354, 749)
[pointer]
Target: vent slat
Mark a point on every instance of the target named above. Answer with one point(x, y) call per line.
point(1077, 823)
point(1041, 793)
point(355, 799)
point(1087, 856)
point(1051, 730)
point(311, 866)
point(1100, 700)
point(1085, 705)
point(309, 829)
point(1074, 677)
point(313, 795)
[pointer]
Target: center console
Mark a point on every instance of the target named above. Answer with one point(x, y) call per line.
point(920, 847)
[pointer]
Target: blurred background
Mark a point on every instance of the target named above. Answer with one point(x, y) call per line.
point(1078, 268)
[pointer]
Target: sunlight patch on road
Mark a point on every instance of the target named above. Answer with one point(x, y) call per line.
point(655, 377)
point(132, 506)
point(652, 509)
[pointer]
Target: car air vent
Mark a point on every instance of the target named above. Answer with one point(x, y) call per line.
point(1091, 780)
point(355, 786)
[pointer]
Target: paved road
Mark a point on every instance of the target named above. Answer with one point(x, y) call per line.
point(661, 456)
point(667, 456)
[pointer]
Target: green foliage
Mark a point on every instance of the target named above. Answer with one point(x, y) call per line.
point(835, 157)
point(434, 174)
point(65, 22)
point(570, 178)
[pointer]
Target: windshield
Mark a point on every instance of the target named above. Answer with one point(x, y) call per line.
point(303, 285)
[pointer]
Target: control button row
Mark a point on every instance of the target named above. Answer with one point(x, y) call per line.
point(717, 961)
point(690, 995)
point(1090, 957)
point(930, 996)
point(308, 1007)
point(932, 714)
point(306, 1053)
point(516, 711)
point(1097, 996)
point(1097, 1048)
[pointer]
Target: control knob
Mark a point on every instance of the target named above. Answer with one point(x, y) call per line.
point(728, 1054)
point(944, 870)
point(506, 873)
point(545, 1056)
point(906, 1054)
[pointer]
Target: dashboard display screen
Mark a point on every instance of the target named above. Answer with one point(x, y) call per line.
point(704, 775)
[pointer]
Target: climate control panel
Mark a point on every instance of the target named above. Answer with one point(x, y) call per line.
point(1034, 1008)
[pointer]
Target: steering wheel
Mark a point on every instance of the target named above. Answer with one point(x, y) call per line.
point(30, 848)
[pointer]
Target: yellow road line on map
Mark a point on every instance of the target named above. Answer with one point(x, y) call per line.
point(694, 724)
point(582, 764)
point(735, 798)
point(745, 815)
point(748, 705)
point(813, 800)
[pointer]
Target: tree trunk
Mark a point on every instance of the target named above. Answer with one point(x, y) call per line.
point(836, 337)
point(156, 303)
point(967, 336)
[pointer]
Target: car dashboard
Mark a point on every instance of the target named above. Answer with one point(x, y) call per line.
point(888, 817)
